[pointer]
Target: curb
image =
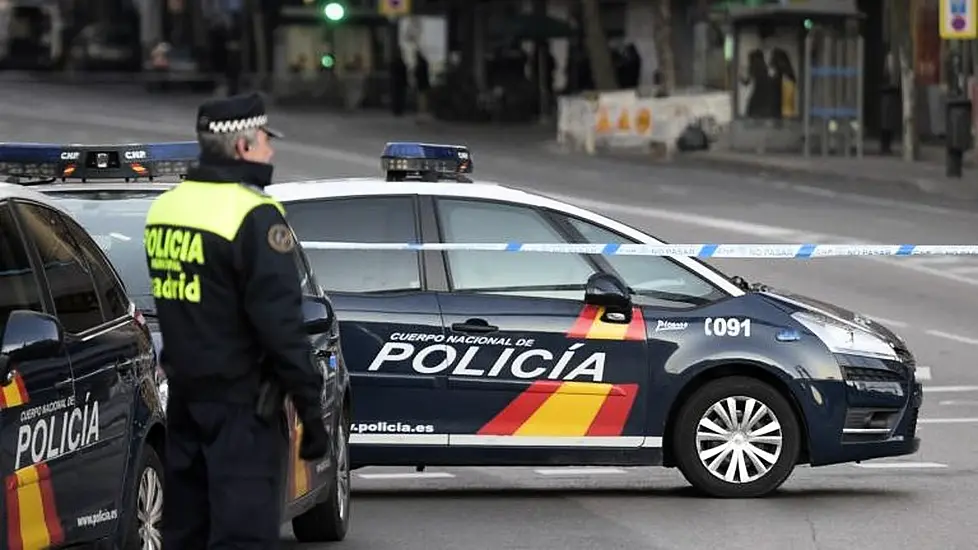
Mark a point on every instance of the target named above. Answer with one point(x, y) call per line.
point(893, 182)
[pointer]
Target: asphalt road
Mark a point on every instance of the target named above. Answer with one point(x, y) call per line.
point(921, 501)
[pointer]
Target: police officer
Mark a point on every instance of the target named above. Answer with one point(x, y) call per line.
point(227, 292)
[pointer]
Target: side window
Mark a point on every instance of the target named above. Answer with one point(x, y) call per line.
point(369, 220)
point(72, 286)
point(650, 276)
point(115, 302)
point(18, 286)
point(528, 274)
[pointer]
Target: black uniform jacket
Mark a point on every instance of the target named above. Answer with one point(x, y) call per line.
point(227, 290)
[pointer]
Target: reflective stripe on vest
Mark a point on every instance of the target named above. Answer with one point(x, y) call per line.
point(217, 208)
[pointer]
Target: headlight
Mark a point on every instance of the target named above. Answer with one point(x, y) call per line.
point(844, 338)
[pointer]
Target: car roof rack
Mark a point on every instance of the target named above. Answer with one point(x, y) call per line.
point(40, 163)
point(406, 160)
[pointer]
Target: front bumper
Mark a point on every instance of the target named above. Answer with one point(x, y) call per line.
point(880, 402)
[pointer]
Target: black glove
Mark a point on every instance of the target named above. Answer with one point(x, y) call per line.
point(315, 440)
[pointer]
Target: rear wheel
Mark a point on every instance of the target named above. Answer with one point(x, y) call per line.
point(329, 520)
point(736, 437)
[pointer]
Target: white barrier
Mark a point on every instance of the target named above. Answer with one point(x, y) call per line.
point(623, 119)
point(713, 250)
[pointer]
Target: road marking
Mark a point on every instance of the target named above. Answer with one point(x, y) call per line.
point(408, 475)
point(889, 322)
point(950, 389)
point(784, 234)
point(947, 421)
point(895, 465)
point(923, 373)
point(578, 471)
point(955, 337)
point(959, 402)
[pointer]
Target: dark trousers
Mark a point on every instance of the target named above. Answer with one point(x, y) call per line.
point(223, 477)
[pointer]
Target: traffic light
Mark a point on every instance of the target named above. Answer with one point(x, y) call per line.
point(327, 61)
point(334, 11)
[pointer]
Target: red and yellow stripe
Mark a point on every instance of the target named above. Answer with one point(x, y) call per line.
point(32, 514)
point(589, 326)
point(300, 471)
point(568, 409)
point(14, 394)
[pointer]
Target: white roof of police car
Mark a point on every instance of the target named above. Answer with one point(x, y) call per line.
point(360, 187)
point(14, 191)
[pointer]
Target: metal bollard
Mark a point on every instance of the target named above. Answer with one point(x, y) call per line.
point(959, 138)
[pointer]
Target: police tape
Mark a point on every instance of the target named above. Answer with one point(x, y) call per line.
point(802, 251)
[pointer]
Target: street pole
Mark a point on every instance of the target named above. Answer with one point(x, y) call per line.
point(958, 137)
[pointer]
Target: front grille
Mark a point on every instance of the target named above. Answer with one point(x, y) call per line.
point(860, 374)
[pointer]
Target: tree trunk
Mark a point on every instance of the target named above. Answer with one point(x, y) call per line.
point(902, 17)
point(596, 44)
point(701, 29)
point(663, 45)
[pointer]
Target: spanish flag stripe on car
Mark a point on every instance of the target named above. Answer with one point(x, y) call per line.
point(14, 394)
point(589, 326)
point(566, 409)
point(32, 514)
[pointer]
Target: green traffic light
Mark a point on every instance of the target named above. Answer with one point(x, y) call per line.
point(334, 11)
point(327, 61)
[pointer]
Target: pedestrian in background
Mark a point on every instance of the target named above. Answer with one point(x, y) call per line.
point(228, 298)
point(398, 82)
point(422, 82)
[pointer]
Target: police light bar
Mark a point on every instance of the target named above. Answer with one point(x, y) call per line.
point(426, 159)
point(97, 162)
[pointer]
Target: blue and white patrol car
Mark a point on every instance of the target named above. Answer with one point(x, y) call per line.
point(475, 357)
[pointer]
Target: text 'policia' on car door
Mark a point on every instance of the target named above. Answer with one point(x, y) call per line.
point(379, 297)
point(84, 427)
point(529, 363)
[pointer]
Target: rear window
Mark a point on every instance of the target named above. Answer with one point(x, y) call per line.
point(116, 222)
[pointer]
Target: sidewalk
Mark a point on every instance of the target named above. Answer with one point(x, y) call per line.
point(926, 175)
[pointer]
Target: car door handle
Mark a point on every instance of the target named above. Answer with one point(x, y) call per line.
point(478, 326)
point(64, 385)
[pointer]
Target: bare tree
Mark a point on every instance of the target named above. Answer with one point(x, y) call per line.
point(597, 47)
point(662, 35)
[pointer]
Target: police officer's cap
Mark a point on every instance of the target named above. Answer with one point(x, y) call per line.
point(234, 114)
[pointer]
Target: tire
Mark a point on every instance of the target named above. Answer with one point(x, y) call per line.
point(329, 520)
point(144, 519)
point(745, 392)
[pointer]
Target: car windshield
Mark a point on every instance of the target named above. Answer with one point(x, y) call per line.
point(116, 221)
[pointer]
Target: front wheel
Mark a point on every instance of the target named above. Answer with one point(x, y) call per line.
point(736, 437)
point(329, 520)
point(143, 531)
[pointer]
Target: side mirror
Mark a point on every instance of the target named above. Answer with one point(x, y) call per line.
point(317, 314)
point(29, 335)
point(608, 291)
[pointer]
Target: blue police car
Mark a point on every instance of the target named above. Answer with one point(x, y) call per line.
point(464, 357)
point(316, 495)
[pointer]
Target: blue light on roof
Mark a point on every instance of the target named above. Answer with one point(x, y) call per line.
point(177, 150)
point(31, 152)
point(426, 161)
point(93, 162)
point(412, 150)
point(50, 152)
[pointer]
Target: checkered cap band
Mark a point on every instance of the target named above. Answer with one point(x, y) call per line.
point(237, 125)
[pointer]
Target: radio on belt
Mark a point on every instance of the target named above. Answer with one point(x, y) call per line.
point(43, 162)
point(404, 161)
